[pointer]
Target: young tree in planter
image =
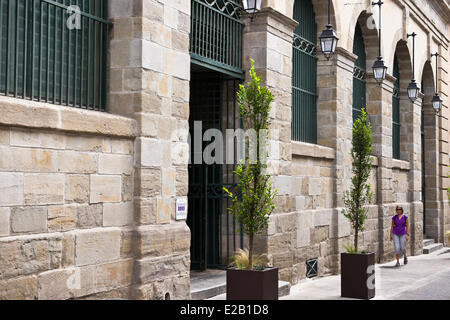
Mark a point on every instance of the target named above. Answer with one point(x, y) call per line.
point(360, 192)
point(253, 202)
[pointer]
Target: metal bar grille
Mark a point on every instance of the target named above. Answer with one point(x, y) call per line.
point(42, 59)
point(359, 74)
point(216, 36)
point(312, 268)
point(214, 232)
point(396, 112)
point(304, 74)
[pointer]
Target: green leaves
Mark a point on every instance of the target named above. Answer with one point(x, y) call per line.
point(360, 194)
point(254, 201)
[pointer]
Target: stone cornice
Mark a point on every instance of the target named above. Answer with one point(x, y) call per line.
point(39, 115)
point(276, 15)
point(347, 54)
point(303, 149)
point(442, 7)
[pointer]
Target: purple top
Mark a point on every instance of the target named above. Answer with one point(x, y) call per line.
point(399, 225)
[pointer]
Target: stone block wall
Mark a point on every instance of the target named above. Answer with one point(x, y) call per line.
point(66, 210)
point(87, 199)
point(149, 82)
point(301, 224)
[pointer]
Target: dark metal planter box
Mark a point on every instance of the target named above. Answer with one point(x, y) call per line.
point(358, 275)
point(252, 285)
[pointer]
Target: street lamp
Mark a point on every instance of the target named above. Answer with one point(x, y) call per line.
point(379, 68)
point(251, 7)
point(328, 38)
point(436, 102)
point(413, 88)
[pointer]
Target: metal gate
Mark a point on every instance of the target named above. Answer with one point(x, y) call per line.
point(214, 232)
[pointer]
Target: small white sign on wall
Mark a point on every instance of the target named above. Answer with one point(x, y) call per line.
point(181, 208)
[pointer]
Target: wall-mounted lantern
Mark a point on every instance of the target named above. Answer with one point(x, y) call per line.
point(252, 7)
point(379, 67)
point(328, 38)
point(413, 88)
point(437, 102)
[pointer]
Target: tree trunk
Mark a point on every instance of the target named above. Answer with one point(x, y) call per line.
point(250, 253)
point(356, 240)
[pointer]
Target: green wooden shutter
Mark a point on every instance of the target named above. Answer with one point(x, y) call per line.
point(43, 60)
point(396, 112)
point(304, 74)
point(359, 73)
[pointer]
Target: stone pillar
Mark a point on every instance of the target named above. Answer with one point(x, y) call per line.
point(149, 81)
point(411, 149)
point(444, 140)
point(433, 204)
point(268, 40)
point(379, 109)
point(335, 86)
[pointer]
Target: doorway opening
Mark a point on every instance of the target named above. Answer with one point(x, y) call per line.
point(215, 235)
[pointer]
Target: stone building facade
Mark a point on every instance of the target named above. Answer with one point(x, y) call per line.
point(88, 198)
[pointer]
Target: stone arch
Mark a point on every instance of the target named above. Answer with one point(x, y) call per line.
point(370, 36)
point(430, 156)
point(371, 42)
point(404, 59)
point(321, 10)
point(428, 79)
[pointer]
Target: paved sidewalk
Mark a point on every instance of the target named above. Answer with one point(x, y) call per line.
point(425, 277)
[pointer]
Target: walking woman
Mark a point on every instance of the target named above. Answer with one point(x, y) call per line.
point(400, 234)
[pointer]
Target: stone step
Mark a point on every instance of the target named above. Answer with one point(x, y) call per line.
point(427, 242)
point(207, 284)
point(444, 250)
point(284, 289)
point(432, 248)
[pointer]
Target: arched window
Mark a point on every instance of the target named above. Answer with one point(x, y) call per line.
point(359, 73)
point(396, 112)
point(304, 74)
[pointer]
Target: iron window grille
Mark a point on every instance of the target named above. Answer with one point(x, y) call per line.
point(311, 268)
point(42, 59)
point(304, 74)
point(359, 73)
point(396, 112)
point(216, 36)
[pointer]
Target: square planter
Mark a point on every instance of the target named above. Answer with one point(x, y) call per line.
point(358, 275)
point(252, 285)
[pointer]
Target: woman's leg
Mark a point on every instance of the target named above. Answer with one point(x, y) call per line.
point(403, 247)
point(397, 247)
